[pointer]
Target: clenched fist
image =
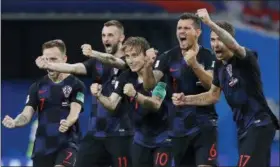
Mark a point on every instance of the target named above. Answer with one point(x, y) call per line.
point(178, 99)
point(129, 90)
point(9, 122)
point(151, 55)
point(64, 125)
point(190, 56)
point(42, 62)
point(203, 15)
point(87, 50)
point(96, 89)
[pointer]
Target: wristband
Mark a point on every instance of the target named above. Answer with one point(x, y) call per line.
point(135, 96)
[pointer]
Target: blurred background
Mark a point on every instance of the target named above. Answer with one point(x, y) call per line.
point(26, 24)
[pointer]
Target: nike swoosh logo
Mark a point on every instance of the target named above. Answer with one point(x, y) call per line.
point(42, 91)
point(173, 69)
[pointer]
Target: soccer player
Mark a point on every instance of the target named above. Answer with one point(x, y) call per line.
point(58, 98)
point(188, 68)
point(151, 145)
point(237, 74)
point(109, 136)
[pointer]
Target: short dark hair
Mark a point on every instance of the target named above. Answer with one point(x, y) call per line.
point(226, 26)
point(55, 43)
point(196, 20)
point(115, 23)
point(139, 43)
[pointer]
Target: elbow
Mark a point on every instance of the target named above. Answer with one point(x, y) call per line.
point(215, 99)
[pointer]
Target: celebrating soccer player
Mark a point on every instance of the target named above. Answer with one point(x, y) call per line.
point(58, 98)
point(237, 74)
point(109, 136)
point(151, 145)
point(188, 68)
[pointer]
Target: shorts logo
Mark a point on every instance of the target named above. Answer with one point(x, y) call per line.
point(67, 91)
point(116, 84)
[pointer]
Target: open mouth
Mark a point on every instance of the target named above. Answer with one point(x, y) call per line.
point(183, 39)
point(108, 45)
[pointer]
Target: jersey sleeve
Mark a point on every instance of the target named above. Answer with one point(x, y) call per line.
point(209, 61)
point(32, 98)
point(120, 82)
point(78, 94)
point(250, 58)
point(216, 80)
point(161, 63)
point(90, 66)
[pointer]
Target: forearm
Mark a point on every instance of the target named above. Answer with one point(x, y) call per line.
point(106, 102)
point(201, 99)
point(204, 76)
point(22, 120)
point(147, 102)
point(149, 80)
point(225, 37)
point(108, 59)
point(73, 115)
point(67, 68)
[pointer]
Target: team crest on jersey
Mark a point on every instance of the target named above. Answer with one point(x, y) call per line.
point(67, 90)
point(232, 80)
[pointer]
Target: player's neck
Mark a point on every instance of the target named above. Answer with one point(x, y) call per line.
point(119, 52)
point(195, 46)
point(228, 57)
point(59, 78)
point(140, 74)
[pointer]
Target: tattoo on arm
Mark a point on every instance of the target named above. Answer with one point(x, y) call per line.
point(21, 120)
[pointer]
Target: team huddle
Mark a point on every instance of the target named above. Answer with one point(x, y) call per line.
point(150, 109)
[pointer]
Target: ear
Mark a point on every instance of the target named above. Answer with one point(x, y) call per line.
point(198, 32)
point(122, 38)
point(65, 59)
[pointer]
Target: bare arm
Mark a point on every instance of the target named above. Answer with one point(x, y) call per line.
point(77, 68)
point(110, 102)
point(151, 78)
point(108, 59)
point(24, 117)
point(207, 98)
point(227, 39)
point(204, 76)
point(75, 109)
point(153, 102)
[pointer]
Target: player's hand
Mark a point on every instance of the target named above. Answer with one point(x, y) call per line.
point(9, 122)
point(96, 89)
point(87, 50)
point(203, 15)
point(190, 56)
point(64, 125)
point(151, 55)
point(42, 62)
point(178, 99)
point(129, 90)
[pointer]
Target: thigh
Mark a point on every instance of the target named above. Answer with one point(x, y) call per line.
point(66, 157)
point(182, 151)
point(44, 161)
point(205, 146)
point(254, 148)
point(119, 149)
point(92, 153)
point(141, 156)
point(162, 157)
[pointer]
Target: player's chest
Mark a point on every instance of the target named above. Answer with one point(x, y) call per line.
point(55, 94)
point(233, 84)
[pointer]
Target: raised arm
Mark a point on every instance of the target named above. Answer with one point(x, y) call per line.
point(207, 98)
point(110, 102)
point(105, 58)
point(225, 36)
point(77, 68)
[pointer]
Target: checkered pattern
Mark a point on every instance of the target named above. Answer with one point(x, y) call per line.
point(150, 127)
point(181, 78)
point(52, 106)
point(240, 81)
point(104, 123)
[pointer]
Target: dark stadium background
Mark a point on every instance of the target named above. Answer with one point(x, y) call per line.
point(23, 34)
